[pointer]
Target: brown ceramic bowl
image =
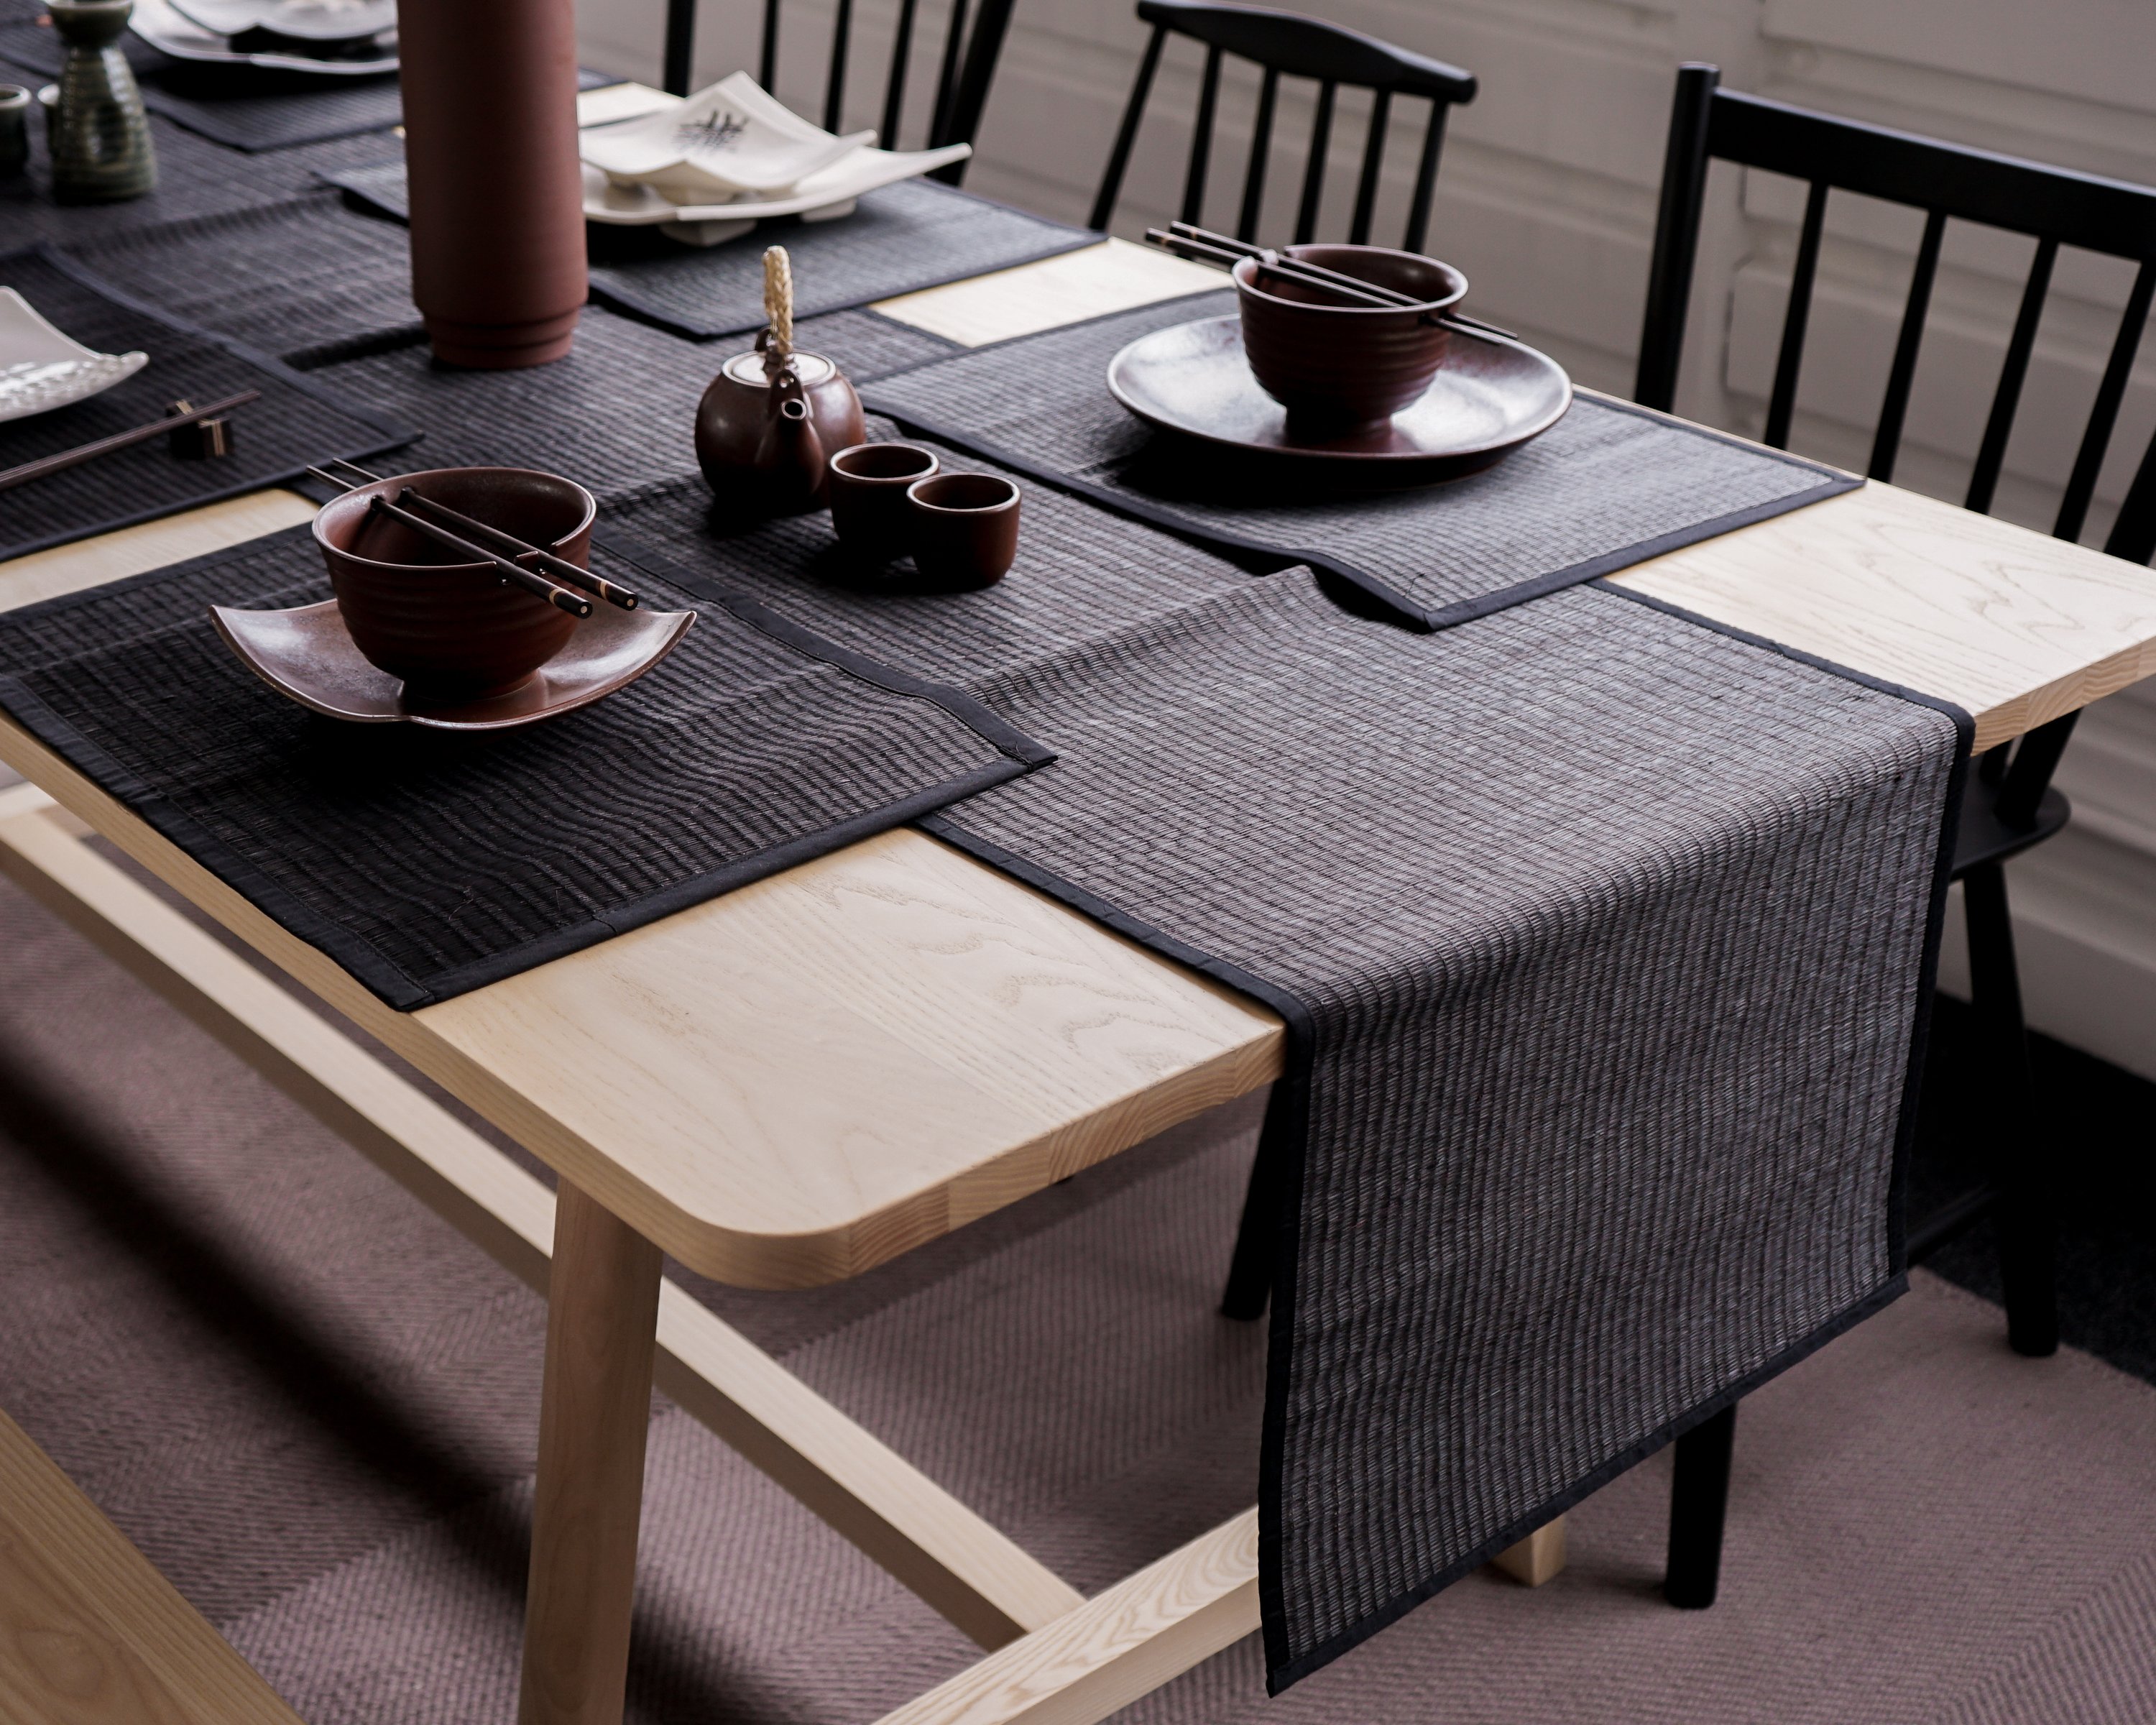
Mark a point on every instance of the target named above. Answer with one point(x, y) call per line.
point(867, 485)
point(1333, 364)
point(446, 627)
point(964, 530)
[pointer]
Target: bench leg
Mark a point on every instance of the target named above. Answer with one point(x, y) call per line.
point(1699, 1500)
point(602, 1321)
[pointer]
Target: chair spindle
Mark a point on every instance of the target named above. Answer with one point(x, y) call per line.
point(835, 91)
point(2088, 462)
point(1887, 441)
point(1373, 161)
point(681, 42)
point(1313, 173)
point(946, 78)
point(1261, 145)
point(1782, 407)
point(894, 93)
point(1119, 157)
point(1425, 185)
point(768, 60)
point(1201, 139)
point(2006, 399)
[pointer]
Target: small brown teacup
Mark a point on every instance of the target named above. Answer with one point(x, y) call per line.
point(964, 530)
point(867, 485)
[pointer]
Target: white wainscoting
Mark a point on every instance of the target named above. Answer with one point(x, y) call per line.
point(1547, 200)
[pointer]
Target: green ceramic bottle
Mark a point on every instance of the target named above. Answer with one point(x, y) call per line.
point(99, 134)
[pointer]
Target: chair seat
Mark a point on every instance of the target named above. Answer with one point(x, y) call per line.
point(1984, 837)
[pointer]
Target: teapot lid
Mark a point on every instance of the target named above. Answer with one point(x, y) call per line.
point(812, 369)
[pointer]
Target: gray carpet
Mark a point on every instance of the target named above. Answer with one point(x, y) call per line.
point(313, 1406)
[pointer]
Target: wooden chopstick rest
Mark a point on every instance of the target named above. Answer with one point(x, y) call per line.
point(199, 439)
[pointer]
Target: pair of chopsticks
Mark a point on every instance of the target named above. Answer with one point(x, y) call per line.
point(29, 470)
point(1201, 245)
point(563, 598)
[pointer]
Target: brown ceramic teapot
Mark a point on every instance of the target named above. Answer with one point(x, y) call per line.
point(771, 419)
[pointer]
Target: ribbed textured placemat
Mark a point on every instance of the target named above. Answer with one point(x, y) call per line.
point(918, 233)
point(620, 411)
point(306, 279)
point(1603, 939)
point(427, 863)
point(297, 421)
point(1609, 486)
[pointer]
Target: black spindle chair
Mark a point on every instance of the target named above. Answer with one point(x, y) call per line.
point(1284, 45)
point(965, 65)
point(2010, 805)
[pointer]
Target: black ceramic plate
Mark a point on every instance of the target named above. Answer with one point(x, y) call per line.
point(1489, 397)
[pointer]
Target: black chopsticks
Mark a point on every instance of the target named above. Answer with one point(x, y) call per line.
point(408, 499)
point(29, 470)
point(1203, 245)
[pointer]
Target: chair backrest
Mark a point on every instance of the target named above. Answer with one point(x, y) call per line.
point(1285, 45)
point(965, 65)
point(2055, 205)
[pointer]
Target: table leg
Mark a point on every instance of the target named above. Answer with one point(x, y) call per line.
point(601, 1319)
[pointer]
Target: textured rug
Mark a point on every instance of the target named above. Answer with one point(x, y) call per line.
point(315, 1407)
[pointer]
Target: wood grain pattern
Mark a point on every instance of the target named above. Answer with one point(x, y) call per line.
point(1114, 1649)
point(601, 1328)
point(1538, 1558)
point(2015, 628)
point(1068, 288)
point(952, 1558)
point(90, 1634)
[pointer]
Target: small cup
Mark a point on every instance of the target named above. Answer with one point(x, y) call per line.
point(867, 485)
point(964, 531)
point(15, 131)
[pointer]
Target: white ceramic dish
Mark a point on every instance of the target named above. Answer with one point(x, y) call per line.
point(302, 20)
point(41, 369)
point(165, 29)
point(823, 197)
point(718, 144)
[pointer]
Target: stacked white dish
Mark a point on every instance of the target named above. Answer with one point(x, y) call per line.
point(344, 39)
point(709, 167)
point(41, 369)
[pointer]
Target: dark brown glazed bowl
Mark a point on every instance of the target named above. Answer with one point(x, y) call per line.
point(868, 505)
point(1334, 364)
point(449, 628)
point(964, 531)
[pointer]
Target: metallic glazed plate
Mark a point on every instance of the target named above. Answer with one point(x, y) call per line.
point(1490, 396)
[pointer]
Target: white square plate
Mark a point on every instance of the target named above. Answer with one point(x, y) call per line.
point(721, 143)
point(41, 369)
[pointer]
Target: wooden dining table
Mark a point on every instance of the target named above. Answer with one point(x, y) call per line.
point(785, 1086)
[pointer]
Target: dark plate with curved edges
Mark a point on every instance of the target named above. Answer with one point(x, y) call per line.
point(307, 653)
point(1490, 396)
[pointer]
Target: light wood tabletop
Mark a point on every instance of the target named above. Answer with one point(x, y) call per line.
point(789, 1084)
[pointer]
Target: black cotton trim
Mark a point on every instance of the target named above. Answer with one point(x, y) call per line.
point(1019, 755)
point(391, 435)
point(1407, 612)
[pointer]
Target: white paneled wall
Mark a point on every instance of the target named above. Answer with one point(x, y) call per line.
point(1547, 201)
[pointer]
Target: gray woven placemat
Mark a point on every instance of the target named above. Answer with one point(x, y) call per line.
point(305, 279)
point(919, 233)
point(1603, 939)
point(617, 413)
point(1609, 486)
point(297, 421)
point(427, 863)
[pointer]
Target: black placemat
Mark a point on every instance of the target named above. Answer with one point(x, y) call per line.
point(297, 422)
point(618, 412)
point(427, 863)
point(919, 233)
point(306, 279)
point(1609, 485)
point(1603, 940)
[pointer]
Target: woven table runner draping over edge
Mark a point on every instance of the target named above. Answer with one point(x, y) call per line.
point(427, 863)
point(1609, 486)
point(918, 233)
point(297, 420)
point(1604, 941)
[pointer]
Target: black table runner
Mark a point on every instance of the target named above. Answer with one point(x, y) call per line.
point(427, 863)
point(298, 421)
point(1609, 485)
point(919, 233)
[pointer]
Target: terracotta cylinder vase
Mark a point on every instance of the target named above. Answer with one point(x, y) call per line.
point(490, 90)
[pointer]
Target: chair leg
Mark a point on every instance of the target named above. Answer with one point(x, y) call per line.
point(1699, 1500)
point(2025, 1219)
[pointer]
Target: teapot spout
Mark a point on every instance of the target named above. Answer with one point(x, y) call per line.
point(789, 456)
